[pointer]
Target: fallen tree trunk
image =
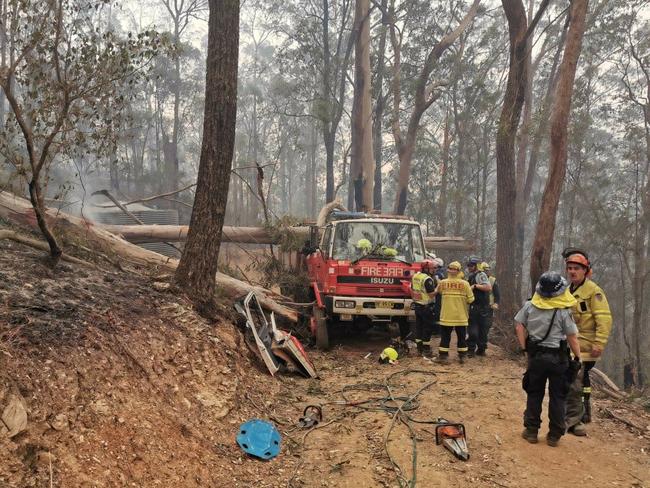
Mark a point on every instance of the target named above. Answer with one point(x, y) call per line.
point(20, 211)
point(253, 235)
point(40, 245)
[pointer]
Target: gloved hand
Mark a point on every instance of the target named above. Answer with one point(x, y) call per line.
point(574, 369)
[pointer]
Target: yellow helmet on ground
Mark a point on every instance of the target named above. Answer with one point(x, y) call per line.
point(388, 355)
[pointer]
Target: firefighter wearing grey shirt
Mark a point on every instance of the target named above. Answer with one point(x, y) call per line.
point(544, 325)
point(480, 312)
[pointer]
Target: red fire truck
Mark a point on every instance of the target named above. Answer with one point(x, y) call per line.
point(360, 267)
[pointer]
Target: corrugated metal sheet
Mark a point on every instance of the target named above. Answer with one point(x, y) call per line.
point(148, 216)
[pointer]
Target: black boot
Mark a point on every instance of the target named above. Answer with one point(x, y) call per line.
point(426, 350)
point(420, 347)
point(443, 357)
point(586, 417)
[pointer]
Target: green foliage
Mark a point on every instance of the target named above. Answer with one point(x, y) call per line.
point(287, 240)
point(68, 85)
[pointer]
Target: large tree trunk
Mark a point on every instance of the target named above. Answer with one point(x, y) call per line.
point(253, 235)
point(377, 137)
point(543, 244)
point(197, 268)
point(520, 167)
point(461, 163)
point(442, 200)
point(505, 149)
point(362, 159)
point(3, 56)
point(538, 138)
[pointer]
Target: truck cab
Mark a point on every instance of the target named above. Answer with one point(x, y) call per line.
point(360, 271)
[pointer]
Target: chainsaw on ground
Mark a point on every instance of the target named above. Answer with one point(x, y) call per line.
point(452, 436)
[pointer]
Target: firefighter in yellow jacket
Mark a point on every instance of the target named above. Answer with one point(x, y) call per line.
point(594, 321)
point(456, 295)
point(423, 285)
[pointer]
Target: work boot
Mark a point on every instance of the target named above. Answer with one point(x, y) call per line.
point(461, 357)
point(552, 440)
point(426, 351)
point(480, 352)
point(470, 353)
point(579, 430)
point(420, 347)
point(586, 417)
point(443, 358)
point(530, 435)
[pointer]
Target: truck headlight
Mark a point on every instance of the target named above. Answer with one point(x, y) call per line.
point(344, 304)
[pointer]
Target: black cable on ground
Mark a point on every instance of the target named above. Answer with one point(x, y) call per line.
point(396, 407)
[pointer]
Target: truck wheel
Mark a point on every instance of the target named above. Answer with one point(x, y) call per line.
point(322, 335)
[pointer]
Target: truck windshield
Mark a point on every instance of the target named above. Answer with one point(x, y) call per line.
point(405, 239)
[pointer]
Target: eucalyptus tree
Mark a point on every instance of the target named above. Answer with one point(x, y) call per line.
point(316, 48)
point(63, 84)
point(519, 30)
point(362, 164)
point(407, 28)
point(181, 14)
point(545, 230)
point(196, 272)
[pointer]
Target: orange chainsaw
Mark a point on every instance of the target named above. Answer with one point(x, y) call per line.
point(452, 437)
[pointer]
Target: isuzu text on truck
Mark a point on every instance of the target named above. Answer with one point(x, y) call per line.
point(360, 271)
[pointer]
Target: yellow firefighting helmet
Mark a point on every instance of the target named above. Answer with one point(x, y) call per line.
point(388, 355)
point(364, 245)
point(454, 265)
point(388, 251)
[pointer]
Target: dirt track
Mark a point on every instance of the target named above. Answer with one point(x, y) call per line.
point(126, 386)
point(485, 394)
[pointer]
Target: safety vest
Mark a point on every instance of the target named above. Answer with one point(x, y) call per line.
point(593, 318)
point(418, 291)
point(493, 280)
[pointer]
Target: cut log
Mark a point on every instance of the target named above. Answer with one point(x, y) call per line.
point(253, 235)
point(19, 210)
point(601, 377)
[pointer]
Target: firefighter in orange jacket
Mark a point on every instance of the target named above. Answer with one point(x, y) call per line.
point(594, 321)
point(456, 295)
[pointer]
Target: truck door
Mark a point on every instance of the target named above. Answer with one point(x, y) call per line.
point(324, 255)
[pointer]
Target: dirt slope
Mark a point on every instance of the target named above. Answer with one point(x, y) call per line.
point(124, 385)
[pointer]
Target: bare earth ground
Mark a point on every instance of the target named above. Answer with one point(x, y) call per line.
point(126, 386)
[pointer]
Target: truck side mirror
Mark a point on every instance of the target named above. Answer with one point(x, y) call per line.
point(313, 237)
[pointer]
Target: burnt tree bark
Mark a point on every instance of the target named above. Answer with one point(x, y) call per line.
point(197, 268)
point(543, 243)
